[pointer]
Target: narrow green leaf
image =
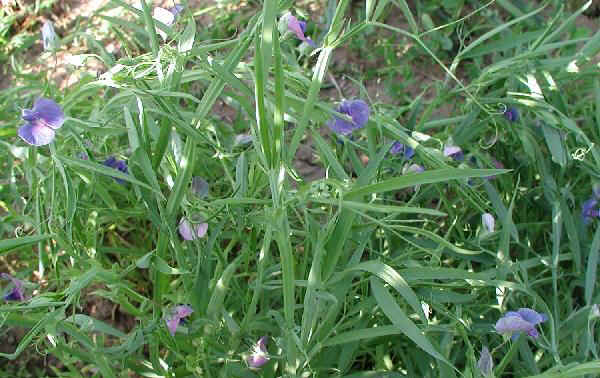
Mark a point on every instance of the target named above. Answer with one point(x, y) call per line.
point(427, 177)
point(555, 144)
point(89, 324)
point(395, 314)
point(186, 41)
point(102, 169)
point(394, 279)
point(361, 334)
point(8, 245)
point(592, 268)
point(216, 300)
point(408, 14)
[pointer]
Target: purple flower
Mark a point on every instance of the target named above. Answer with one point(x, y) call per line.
point(45, 117)
point(17, 293)
point(189, 231)
point(199, 186)
point(488, 221)
point(485, 363)
point(399, 148)
point(589, 209)
point(176, 9)
point(454, 152)
point(259, 355)
point(120, 165)
point(511, 114)
point(358, 110)
point(523, 320)
point(299, 28)
point(178, 313)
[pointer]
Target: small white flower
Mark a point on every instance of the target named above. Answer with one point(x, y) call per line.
point(596, 311)
point(488, 221)
point(49, 37)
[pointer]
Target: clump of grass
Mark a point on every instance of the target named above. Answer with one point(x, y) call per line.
point(435, 244)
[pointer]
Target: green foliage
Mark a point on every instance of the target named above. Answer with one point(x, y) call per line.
point(366, 271)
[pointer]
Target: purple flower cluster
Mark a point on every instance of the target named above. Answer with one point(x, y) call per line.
point(525, 320)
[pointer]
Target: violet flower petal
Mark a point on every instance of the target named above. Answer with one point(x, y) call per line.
point(533, 333)
point(190, 231)
point(256, 361)
point(183, 311)
point(49, 112)
point(176, 9)
point(259, 355)
point(532, 316)
point(178, 313)
point(201, 229)
point(358, 110)
point(36, 133)
point(172, 324)
point(120, 165)
point(512, 324)
point(396, 148)
point(185, 230)
point(454, 152)
point(588, 210)
point(17, 293)
point(399, 148)
point(299, 27)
